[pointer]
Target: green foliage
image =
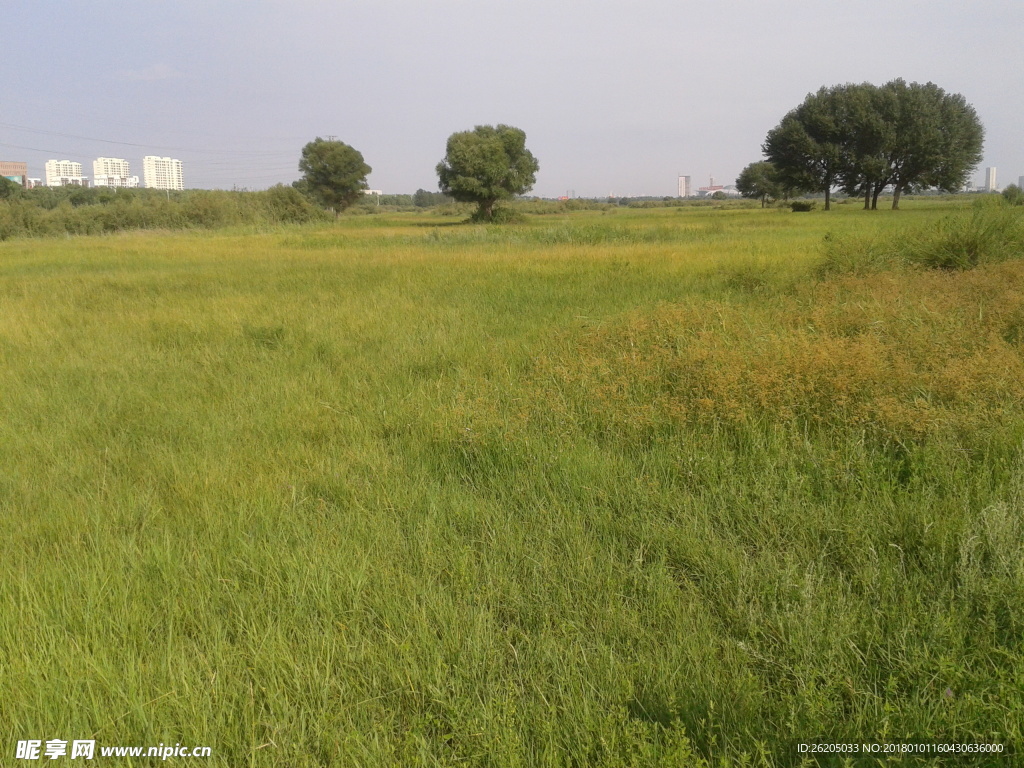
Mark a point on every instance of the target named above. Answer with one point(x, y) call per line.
point(486, 165)
point(1013, 195)
point(865, 138)
point(424, 199)
point(8, 188)
point(502, 214)
point(802, 206)
point(54, 211)
point(806, 148)
point(334, 173)
point(760, 181)
point(288, 205)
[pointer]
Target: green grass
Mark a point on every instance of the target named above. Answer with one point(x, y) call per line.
point(636, 487)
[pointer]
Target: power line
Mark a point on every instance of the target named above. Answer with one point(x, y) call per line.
point(241, 153)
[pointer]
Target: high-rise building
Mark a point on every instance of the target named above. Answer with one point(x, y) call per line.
point(990, 179)
point(112, 172)
point(1020, 182)
point(162, 173)
point(61, 173)
point(15, 171)
point(685, 188)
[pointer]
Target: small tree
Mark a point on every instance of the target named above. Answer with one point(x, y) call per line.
point(1014, 195)
point(486, 165)
point(759, 181)
point(334, 174)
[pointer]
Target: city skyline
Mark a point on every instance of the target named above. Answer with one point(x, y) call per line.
point(692, 88)
point(158, 173)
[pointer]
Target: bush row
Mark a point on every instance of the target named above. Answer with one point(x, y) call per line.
point(52, 212)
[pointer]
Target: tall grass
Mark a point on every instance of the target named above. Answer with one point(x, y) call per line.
point(614, 490)
point(988, 232)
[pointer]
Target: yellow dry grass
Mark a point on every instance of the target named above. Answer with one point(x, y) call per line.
point(904, 354)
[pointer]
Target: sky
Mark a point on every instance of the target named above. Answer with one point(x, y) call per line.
point(616, 98)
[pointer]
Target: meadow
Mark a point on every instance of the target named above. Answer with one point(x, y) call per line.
point(678, 486)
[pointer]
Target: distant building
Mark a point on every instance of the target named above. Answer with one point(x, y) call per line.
point(63, 173)
point(162, 173)
point(112, 172)
point(685, 186)
point(33, 183)
point(15, 171)
point(990, 179)
point(1020, 182)
point(710, 190)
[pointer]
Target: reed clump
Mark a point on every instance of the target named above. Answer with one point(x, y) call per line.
point(989, 232)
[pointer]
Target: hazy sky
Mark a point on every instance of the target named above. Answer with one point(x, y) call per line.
point(615, 97)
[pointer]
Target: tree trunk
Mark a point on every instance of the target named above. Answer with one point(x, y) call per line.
point(867, 196)
point(896, 197)
point(828, 198)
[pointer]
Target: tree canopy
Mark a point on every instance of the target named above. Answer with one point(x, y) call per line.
point(485, 165)
point(863, 138)
point(8, 188)
point(760, 181)
point(334, 173)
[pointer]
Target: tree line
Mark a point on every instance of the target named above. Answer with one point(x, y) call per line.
point(859, 138)
point(863, 138)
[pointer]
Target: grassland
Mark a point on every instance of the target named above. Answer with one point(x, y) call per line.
point(662, 487)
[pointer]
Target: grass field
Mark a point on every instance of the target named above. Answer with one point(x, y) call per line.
point(664, 487)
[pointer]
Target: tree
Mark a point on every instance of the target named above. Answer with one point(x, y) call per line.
point(486, 165)
point(912, 136)
point(424, 199)
point(760, 181)
point(807, 147)
point(9, 188)
point(865, 138)
point(334, 174)
point(869, 135)
point(939, 139)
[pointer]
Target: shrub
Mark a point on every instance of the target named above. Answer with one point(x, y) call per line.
point(1014, 195)
point(500, 215)
point(287, 204)
point(985, 235)
point(803, 206)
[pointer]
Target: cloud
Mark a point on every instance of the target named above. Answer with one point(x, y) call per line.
point(148, 74)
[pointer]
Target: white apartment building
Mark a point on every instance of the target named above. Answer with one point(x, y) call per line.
point(112, 172)
point(685, 186)
point(990, 179)
point(162, 173)
point(61, 173)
